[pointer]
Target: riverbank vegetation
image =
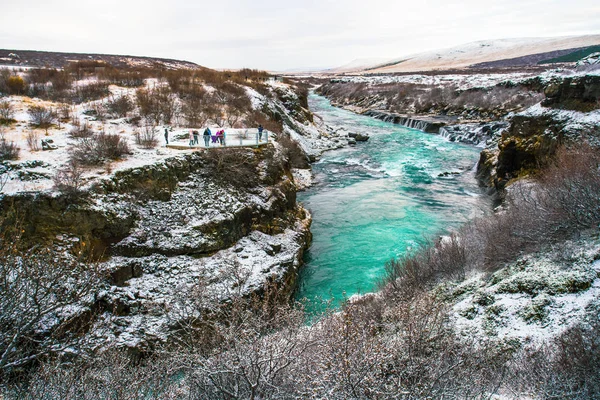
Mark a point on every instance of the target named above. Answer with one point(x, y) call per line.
point(448, 99)
point(398, 343)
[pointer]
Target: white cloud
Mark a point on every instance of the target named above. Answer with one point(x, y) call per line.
point(278, 34)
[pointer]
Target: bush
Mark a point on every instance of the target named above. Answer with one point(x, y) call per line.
point(7, 112)
point(147, 138)
point(81, 131)
point(33, 139)
point(68, 180)
point(15, 85)
point(33, 294)
point(157, 105)
point(268, 121)
point(8, 150)
point(42, 117)
point(565, 368)
point(90, 92)
point(120, 106)
point(99, 148)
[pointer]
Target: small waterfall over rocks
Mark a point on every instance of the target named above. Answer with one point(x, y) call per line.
point(425, 124)
point(474, 133)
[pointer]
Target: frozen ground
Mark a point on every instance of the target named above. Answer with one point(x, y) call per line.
point(30, 176)
point(470, 81)
point(536, 298)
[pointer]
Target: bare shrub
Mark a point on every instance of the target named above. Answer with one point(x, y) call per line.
point(100, 111)
point(193, 106)
point(61, 81)
point(7, 112)
point(97, 149)
point(565, 368)
point(66, 112)
point(236, 107)
point(157, 104)
point(90, 92)
point(247, 365)
point(8, 150)
point(147, 137)
point(571, 184)
point(69, 179)
point(113, 374)
point(33, 139)
point(120, 106)
point(81, 130)
point(112, 146)
point(269, 122)
point(33, 294)
point(42, 117)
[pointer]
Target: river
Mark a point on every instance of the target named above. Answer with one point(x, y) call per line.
point(378, 200)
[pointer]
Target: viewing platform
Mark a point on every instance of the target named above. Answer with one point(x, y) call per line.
point(232, 138)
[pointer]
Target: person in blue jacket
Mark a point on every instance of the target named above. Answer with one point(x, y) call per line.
point(206, 136)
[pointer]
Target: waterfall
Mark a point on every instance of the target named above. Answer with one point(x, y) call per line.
point(399, 120)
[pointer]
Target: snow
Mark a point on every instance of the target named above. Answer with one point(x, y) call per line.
point(590, 118)
point(165, 291)
point(478, 52)
point(52, 160)
point(532, 317)
point(303, 178)
point(461, 81)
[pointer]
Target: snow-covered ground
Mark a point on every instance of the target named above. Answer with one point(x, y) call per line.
point(40, 174)
point(469, 81)
point(536, 298)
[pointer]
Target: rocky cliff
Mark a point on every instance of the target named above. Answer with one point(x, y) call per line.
point(162, 231)
point(569, 115)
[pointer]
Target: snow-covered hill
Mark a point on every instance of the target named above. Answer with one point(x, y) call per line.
point(472, 53)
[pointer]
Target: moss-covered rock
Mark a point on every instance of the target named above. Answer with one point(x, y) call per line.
point(529, 143)
point(537, 310)
point(578, 93)
point(540, 277)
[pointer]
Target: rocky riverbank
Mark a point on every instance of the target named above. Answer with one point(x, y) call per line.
point(568, 116)
point(163, 232)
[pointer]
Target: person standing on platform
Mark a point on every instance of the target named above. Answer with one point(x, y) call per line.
point(206, 136)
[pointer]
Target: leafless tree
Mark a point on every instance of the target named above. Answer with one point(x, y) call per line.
point(147, 137)
point(40, 298)
point(69, 179)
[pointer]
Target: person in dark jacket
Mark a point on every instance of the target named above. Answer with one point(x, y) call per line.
point(206, 135)
point(167, 135)
point(196, 134)
point(260, 131)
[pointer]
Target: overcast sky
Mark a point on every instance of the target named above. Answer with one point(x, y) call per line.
point(280, 34)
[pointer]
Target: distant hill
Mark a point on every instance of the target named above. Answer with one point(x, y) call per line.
point(32, 58)
point(574, 56)
point(485, 54)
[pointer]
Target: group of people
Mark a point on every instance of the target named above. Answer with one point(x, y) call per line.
point(218, 137)
point(207, 136)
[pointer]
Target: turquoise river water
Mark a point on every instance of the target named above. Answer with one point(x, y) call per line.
point(379, 199)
